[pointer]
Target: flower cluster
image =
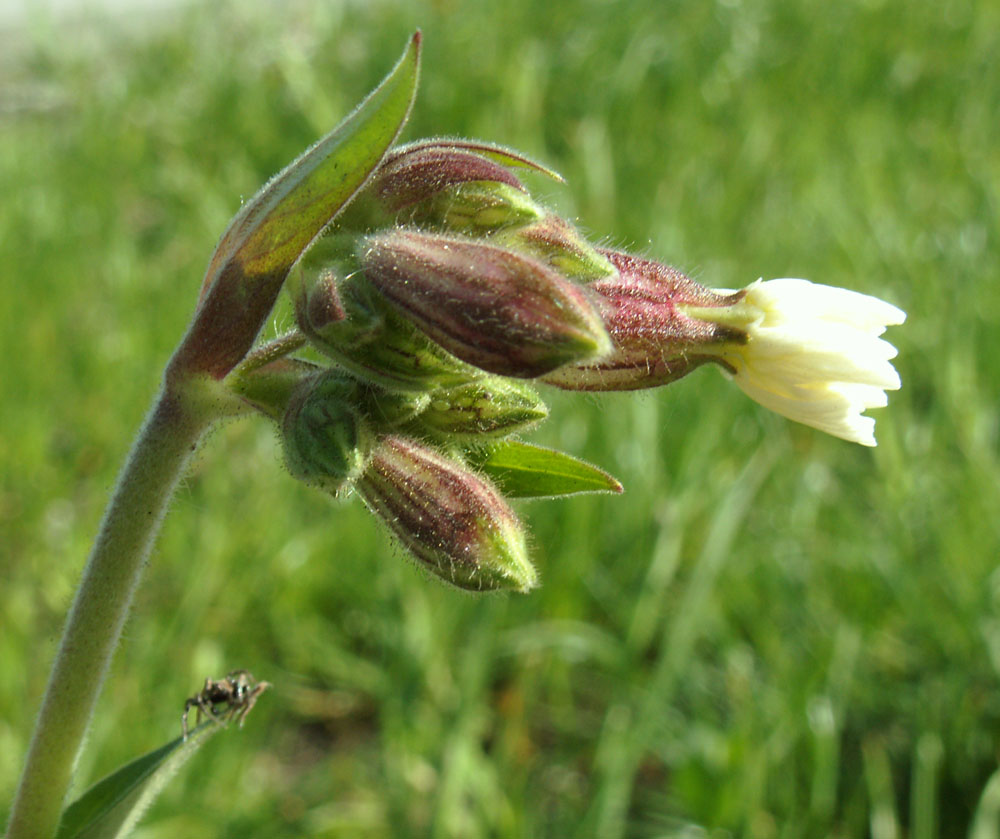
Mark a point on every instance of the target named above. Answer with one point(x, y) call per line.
point(444, 289)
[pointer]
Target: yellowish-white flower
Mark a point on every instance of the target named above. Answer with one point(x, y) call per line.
point(812, 353)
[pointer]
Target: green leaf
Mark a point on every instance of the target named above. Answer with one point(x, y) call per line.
point(277, 225)
point(525, 471)
point(112, 807)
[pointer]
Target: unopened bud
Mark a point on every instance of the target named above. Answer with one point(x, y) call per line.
point(556, 243)
point(491, 405)
point(476, 207)
point(270, 387)
point(451, 520)
point(450, 184)
point(501, 311)
point(655, 341)
point(326, 441)
point(324, 296)
point(390, 408)
point(349, 321)
point(414, 173)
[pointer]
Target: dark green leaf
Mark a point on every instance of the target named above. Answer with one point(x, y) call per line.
point(113, 806)
point(276, 226)
point(525, 471)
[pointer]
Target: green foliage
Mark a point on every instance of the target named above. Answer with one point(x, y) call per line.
point(271, 231)
point(525, 471)
point(112, 807)
point(771, 634)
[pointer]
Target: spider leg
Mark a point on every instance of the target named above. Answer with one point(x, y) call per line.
point(184, 717)
point(206, 706)
point(251, 700)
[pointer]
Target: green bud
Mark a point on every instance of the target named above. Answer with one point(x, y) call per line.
point(557, 244)
point(453, 522)
point(326, 440)
point(476, 207)
point(269, 388)
point(492, 406)
point(390, 408)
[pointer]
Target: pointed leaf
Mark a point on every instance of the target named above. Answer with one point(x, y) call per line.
point(274, 228)
point(525, 471)
point(114, 805)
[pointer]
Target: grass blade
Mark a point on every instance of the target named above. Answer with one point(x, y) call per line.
point(114, 805)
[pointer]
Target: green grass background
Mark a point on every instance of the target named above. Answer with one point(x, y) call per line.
point(771, 634)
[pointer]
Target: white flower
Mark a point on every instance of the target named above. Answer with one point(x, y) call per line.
point(813, 353)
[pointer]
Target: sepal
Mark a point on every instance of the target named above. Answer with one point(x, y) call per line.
point(655, 341)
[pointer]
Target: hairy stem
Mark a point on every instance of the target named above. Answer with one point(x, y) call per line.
point(281, 346)
point(133, 517)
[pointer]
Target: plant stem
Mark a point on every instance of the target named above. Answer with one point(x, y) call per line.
point(131, 522)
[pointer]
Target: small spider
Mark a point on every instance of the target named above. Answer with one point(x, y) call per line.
point(238, 692)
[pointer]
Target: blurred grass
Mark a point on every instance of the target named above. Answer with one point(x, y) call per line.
point(772, 634)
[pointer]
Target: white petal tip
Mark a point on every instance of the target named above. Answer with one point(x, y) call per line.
point(814, 356)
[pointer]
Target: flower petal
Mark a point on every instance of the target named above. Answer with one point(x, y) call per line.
point(812, 353)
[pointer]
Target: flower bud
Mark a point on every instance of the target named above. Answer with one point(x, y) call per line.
point(655, 341)
point(349, 321)
point(390, 408)
point(556, 243)
point(326, 441)
point(452, 521)
point(318, 285)
point(269, 387)
point(491, 405)
point(414, 174)
point(476, 208)
point(445, 184)
point(498, 310)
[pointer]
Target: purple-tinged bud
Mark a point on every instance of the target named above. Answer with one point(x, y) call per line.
point(452, 521)
point(346, 319)
point(445, 184)
point(655, 341)
point(493, 406)
point(322, 306)
point(326, 440)
point(414, 174)
point(325, 297)
point(501, 311)
point(556, 243)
